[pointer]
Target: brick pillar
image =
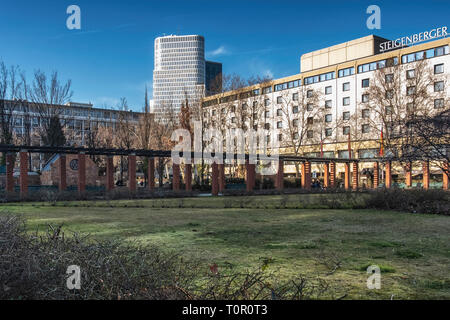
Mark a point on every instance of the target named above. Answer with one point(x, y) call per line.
point(445, 174)
point(326, 175)
point(347, 176)
point(408, 174)
point(109, 173)
point(9, 172)
point(23, 156)
point(332, 175)
point(388, 172)
point(81, 172)
point(376, 175)
point(62, 173)
point(175, 177)
point(151, 173)
point(355, 177)
point(426, 175)
point(250, 176)
point(188, 177)
point(214, 179)
point(280, 176)
point(132, 172)
point(221, 168)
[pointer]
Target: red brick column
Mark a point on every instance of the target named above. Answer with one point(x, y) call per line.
point(221, 168)
point(355, 177)
point(81, 172)
point(62, 173)
point(250, 168)
point(426, 175)
point(214, 179)
point(188, 177)
point(280, 176)
point(9, 172)
point(388, 172)
point(376, 175)
point(109, 173)
point(326, 175)
point(332, 175)
point(408, 174)
point(175, 177)
point(132, 172)
point(445, 176)
point(23, 156)
point(151, 173)
point(347, 176)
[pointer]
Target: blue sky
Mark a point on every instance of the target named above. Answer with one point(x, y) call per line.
point(112, 55)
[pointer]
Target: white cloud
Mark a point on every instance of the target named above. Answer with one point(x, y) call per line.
point(218, 52)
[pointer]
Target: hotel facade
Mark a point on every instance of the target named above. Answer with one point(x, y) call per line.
point(333, 84)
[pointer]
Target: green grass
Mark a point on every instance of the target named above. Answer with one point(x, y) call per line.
point(412, 250)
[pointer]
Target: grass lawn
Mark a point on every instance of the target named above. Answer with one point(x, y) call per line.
point(413, 250)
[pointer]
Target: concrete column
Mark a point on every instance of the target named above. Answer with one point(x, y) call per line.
point(214, 179)
point(188, 177)
point(326, 175)
point(445, 173)
point(221, 168)
point(332, 175)
point(408, 174)
point(250, 176)
point(376, 175)
point(355, 177)
point(388, 173)
point(280, 176)
point(62, 173)
point(109, 173)
point(151, 173)
point(81, 172)
point(23, 178)
point(175, 177)
point(9, 172)
point(347, 176)
point(426, 174)
point(132, 172)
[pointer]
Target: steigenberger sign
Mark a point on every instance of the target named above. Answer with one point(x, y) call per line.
point(413, 39)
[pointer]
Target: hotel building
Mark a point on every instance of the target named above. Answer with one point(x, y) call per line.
point(339, 76)
point(180, 71)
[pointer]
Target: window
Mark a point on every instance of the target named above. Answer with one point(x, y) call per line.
point(439, 86)
point(411, 74)
point(295, 136)
point(280, 137)
point(328, 90)
point(279, 124)
point(438, 103)
point(410, 90)
point(268, 138)
point(267, 114)
point(279, 112)
point(365, 113)
point(233, 108)
point(267, 90)
point(346, 72)
point(233, 120)
point(266, 102)
point(214, 112)
point(309, 93)
point(365, 98)
point(410, 107)
point(295, 109)
point(328, 132)
point(279, 100)
point(295, 123)
point(328, 118)
point(310, 120)
point(244, 106)
point(389, 109)
point(295, 96)
point(439, 68)
point(390, 94)
point(328, 104)
point(346, 101)
point(346, 130)
point(346, 86)
point(365, 83)
point(346, 115)
point(309, 107)
point(267, 126)
point(365, 128)
point(389, 78)
point(309, 134)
